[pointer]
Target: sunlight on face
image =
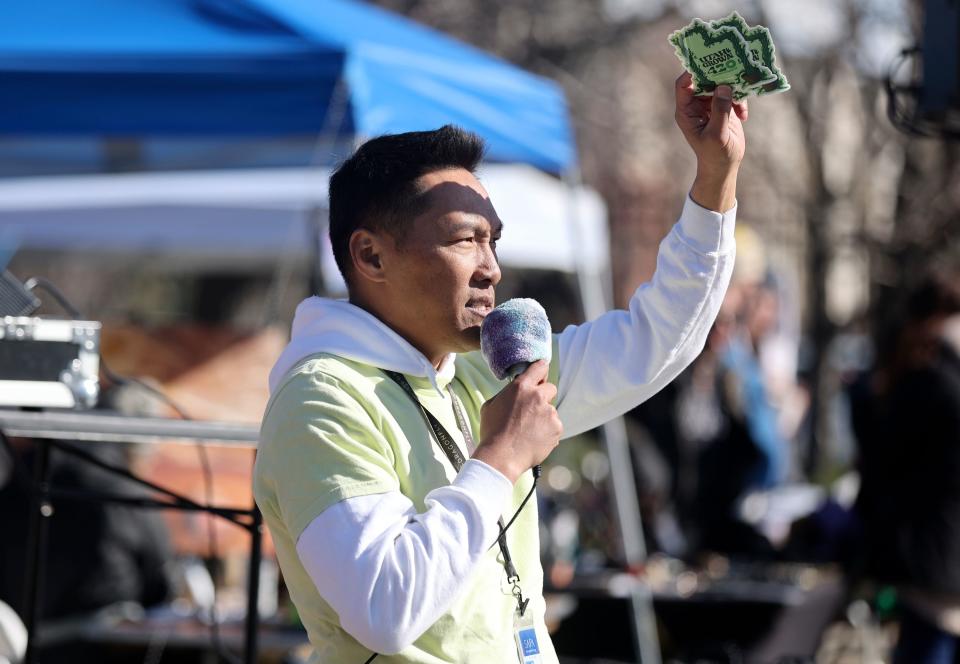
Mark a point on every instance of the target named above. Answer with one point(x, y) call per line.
point(443, 274)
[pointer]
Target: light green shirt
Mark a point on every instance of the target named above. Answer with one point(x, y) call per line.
point(337, 429)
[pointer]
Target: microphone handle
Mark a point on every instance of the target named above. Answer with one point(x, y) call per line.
point(513, 372)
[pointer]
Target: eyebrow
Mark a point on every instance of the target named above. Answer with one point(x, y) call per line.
point(463, 226)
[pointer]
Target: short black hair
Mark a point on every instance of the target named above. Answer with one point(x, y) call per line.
point(376, 187)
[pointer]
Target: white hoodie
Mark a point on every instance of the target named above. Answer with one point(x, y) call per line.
point(340, 328)
point(606, 367)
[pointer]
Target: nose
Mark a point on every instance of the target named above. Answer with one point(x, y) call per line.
point(488, 266)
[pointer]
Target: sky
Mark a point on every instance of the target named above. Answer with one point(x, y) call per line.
point(800, 28)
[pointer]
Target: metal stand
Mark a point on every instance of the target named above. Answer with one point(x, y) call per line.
point(253, 586)
point(40, 512)
point(78, 426)
point(623, 486)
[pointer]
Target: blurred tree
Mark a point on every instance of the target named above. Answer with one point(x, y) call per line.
point(851, 209)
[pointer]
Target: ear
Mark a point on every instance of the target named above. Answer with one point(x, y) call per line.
point(366, 254)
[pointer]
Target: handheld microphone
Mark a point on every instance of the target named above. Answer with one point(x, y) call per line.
point(513, 336)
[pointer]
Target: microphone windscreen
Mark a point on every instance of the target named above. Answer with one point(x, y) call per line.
point(515, 332)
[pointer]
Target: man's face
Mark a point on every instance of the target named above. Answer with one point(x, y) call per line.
point(442, 273)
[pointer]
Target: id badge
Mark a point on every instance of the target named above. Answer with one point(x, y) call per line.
point(525, 635)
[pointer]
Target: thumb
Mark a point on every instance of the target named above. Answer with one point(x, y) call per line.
point(720, 111)
point(536, 373)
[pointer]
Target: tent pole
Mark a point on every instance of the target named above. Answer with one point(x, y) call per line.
point(332, 127)
point(614, 433)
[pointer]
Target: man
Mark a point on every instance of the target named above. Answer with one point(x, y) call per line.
point(385, 547)
point(906, 416)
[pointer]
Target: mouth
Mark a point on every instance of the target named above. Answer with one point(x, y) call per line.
point(480, 306)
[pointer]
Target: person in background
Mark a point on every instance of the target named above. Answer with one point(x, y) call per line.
point(906, 417)
point(724, 428)
point(741, 448)
point(97, 554)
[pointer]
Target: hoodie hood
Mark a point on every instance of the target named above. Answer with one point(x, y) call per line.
point(343, 329)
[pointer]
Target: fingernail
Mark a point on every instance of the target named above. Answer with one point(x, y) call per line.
point(725, 92)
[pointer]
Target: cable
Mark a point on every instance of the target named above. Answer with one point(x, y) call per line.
point(45, 284)
point(519, 509)
point(216, 642)
point(904, 117)
point(207, 473)
point(895, 112)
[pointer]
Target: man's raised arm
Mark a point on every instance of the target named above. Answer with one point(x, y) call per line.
point(610, 365)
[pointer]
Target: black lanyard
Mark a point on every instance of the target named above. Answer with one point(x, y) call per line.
point(452, 452)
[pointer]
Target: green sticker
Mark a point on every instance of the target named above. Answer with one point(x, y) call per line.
point(729, 52)
point(717, 57)
point(761, 48)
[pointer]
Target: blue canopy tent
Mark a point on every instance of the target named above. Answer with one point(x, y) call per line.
point(253, 68)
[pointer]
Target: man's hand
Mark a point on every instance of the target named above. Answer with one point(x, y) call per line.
point(713, 126)
point(519, 427)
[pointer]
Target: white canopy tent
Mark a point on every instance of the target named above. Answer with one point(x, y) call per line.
point(201, 218)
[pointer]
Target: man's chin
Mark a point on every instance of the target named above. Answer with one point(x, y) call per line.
point(471, 338)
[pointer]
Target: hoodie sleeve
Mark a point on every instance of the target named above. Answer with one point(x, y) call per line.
point(610, 365)
point(389, 572)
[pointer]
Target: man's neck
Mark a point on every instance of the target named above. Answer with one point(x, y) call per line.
point(436, 359)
